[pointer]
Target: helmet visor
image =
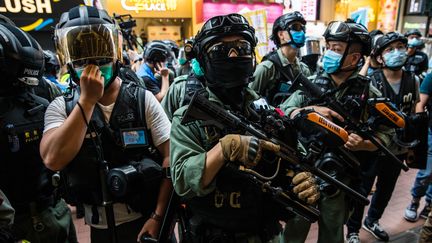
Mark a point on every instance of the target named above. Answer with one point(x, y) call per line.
point(87, 42)
point(337, 29)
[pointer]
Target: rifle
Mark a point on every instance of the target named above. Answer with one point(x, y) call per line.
point(200, 108)
point(362, 129)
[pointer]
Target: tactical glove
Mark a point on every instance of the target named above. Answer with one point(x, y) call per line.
point(245, 149)
point(306, 187)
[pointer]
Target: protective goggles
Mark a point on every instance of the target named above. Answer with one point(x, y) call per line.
point(342, 31)
point(224, 49)
point(95, 42)
point(224, 20)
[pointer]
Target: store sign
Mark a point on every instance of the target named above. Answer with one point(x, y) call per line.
point(26, 6)
point(211, 9)
point(149, 5)
point(36, 15)
point(307, 7)
point(258, 19)
point(171, 32)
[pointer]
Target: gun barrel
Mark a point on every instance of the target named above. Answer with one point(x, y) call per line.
point(199, 104)
point(351, 121)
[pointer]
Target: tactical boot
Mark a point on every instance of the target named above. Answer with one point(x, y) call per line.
point(425, 212)
point(411, 210)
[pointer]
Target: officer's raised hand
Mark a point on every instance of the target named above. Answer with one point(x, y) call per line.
point(245, 149)
point(305, 187)
point(92, 84)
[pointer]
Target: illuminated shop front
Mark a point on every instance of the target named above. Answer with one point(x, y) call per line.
point(37, 16)
point(156, 19)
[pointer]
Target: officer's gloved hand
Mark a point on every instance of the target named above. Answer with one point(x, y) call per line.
point(305, 187)
point(245, 149)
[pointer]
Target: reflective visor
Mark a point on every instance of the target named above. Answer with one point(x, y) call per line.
point(88, 41)
point(337, 28)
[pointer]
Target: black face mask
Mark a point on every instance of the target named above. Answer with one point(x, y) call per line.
point(228, 72)
point(227, 78)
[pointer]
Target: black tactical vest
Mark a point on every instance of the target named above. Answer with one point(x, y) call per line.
point(405, 99)
point(82, 173)
point(192, 84)
point(23, 176)
point(281, 91)
point(235, 198)
point(417, 63)
point(354, 98)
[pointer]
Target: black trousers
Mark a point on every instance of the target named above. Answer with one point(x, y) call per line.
point(126, 233)
point(387, 173)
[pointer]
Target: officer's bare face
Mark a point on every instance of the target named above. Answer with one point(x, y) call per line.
point(336, 46)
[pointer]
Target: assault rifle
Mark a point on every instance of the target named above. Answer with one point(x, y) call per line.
point(200, 108)
point(362, 129)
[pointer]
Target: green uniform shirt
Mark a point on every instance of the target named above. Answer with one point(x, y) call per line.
point(188, 147)
point(299, 99)
point(266, 76)
point(175, 96)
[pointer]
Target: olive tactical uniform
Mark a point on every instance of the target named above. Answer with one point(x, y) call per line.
point(268, 81)
point(334, 209)
point(228, 204)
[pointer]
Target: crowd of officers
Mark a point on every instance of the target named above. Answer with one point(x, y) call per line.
point(109, 132)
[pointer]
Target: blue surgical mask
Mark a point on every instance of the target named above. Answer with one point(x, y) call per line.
point(298, 38)
point(106, 72)
point(331, 61)
point(395, 59)
point(415, 42)
point(196, 68)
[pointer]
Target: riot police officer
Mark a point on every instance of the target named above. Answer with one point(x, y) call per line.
point(402, 89)
point(273, 77)
point(106, 119)
point(347, 43)
point(182, 89)
point(417, 61)
point(155, 56)
point(223, 207)
point(40, 216)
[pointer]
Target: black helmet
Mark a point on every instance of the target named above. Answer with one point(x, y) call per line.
point(375, 35)
point(6, 20)
point(349, 32)
point(283, 22)
point(84, 15)
point(172, 45)
point(84, 33)
point(156, 51)
point(385, 40)
point(21, 57)
point(413, 32)
point(220, 26)
point(52, 65)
